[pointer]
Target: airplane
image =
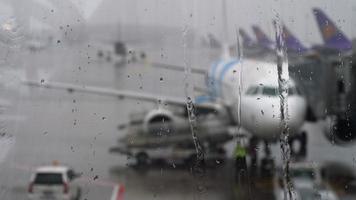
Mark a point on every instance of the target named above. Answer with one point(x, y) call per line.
point(247, 105)
point(262, 39)
point(213, 41)
point(297, 52)
point(266, 47)
point(259, 102)
point(335, 41)
point(254, 106)
point(251, 48)
point(246, 39)
point(292, 43)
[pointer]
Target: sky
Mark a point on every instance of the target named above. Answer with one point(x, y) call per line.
point(207, 17)
point(203, 16)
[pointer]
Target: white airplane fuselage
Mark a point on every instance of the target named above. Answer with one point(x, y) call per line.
point(260, 102)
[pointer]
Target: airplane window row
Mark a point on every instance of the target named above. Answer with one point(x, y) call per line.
point(270, 91)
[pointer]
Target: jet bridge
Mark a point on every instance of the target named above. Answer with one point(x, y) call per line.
point(329, 84)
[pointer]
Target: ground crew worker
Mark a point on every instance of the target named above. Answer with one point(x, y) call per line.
point(241, 189)
point(240, 163)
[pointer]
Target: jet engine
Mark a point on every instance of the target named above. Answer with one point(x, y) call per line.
point(162, 122)
point(340, 130)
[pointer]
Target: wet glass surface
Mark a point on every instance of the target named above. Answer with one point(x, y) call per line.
point(179, 99)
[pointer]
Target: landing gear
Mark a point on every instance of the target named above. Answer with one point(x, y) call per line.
point(267, 163)
point(298, 146)
point(253, 146)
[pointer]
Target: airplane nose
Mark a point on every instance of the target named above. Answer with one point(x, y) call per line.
point(262, 116)
point(297, 108)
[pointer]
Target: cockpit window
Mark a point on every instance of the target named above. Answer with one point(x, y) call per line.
point(270, 91)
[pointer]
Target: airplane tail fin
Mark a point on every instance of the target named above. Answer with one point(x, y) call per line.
point(292, 42)
point(332, 36)
point(261, 37)
point(246, 39)
point(213, 41)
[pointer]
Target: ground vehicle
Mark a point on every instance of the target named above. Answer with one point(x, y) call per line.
point(307, 183)
point(281, 192)
point(316, 192)
point(54, 182)
point(306, 180)
point(176, 154)
point(305, 173)
point(325, 193)
point(294, 195)
point(147, 141)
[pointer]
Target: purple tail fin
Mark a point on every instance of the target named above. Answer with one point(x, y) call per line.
point(332, 36)
point(262, 38)
point(292, 43)
point(214, 42)
point(246, 39)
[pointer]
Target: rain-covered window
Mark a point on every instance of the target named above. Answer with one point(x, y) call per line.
point(177, 99)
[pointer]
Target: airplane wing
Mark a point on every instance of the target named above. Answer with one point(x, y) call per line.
point(178, 67)
point(182, 69)
point(121, 94)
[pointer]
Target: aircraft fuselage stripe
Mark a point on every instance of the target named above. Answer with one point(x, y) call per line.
point(225, 68)
point(211, 79)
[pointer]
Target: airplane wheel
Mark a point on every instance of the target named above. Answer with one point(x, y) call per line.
point(267, 167)
point(253, 156)
point(298, 146)
point(304, 141)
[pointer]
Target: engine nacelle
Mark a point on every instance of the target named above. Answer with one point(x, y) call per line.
point(160, 122)
point(340, 131)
